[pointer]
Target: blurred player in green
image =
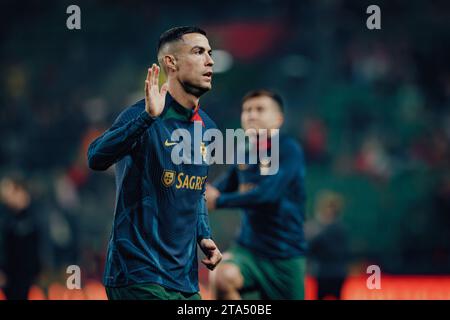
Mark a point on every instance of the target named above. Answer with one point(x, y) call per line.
point(269, 254)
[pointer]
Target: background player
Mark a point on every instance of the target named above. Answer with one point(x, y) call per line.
point(269, 254)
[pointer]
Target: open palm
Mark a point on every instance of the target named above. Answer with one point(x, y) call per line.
point(154, 96)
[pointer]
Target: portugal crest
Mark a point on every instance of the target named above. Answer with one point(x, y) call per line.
point(203, 151)
point(168, 177)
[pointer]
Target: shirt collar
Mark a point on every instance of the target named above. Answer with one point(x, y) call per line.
point(173, 109)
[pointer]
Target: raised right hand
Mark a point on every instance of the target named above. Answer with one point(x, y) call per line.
point(154, 97)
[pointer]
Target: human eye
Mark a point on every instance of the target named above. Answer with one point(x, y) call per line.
point(199, 51)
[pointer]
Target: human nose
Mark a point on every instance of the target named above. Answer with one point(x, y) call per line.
point(209, 60)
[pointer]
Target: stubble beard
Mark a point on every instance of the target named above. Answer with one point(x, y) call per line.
point(195, 90)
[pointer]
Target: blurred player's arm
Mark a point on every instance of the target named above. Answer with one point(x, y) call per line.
point(270, 189)
point(119, 140)
point(228, 182)
point(209, 248)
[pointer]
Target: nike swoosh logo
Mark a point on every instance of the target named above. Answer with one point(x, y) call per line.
point(169, 144)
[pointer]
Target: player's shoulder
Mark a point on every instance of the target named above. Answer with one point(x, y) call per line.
point(209, 123)
point(290, 145)
point(131, 112)
point(291, 153)
point(135, 108)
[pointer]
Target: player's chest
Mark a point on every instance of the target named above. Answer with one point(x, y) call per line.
point(249, 176)
point(177, 157)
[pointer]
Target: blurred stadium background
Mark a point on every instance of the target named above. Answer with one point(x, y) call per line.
point(371, 109)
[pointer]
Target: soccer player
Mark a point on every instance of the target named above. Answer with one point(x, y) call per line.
point(269, 256)
point(161, 212)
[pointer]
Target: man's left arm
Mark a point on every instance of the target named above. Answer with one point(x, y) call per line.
point(209, 248)
point(271, 188)
point(203, 228)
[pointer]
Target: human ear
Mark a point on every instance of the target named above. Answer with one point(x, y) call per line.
point(170, 62)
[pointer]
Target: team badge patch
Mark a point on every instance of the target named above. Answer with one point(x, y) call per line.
point(168, 177)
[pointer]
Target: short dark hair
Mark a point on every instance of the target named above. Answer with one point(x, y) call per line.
point(175, 34)
point(265, 93)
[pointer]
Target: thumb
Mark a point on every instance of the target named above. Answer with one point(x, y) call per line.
point(209, 244)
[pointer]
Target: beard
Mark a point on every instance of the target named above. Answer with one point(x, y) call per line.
point(195, 90)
